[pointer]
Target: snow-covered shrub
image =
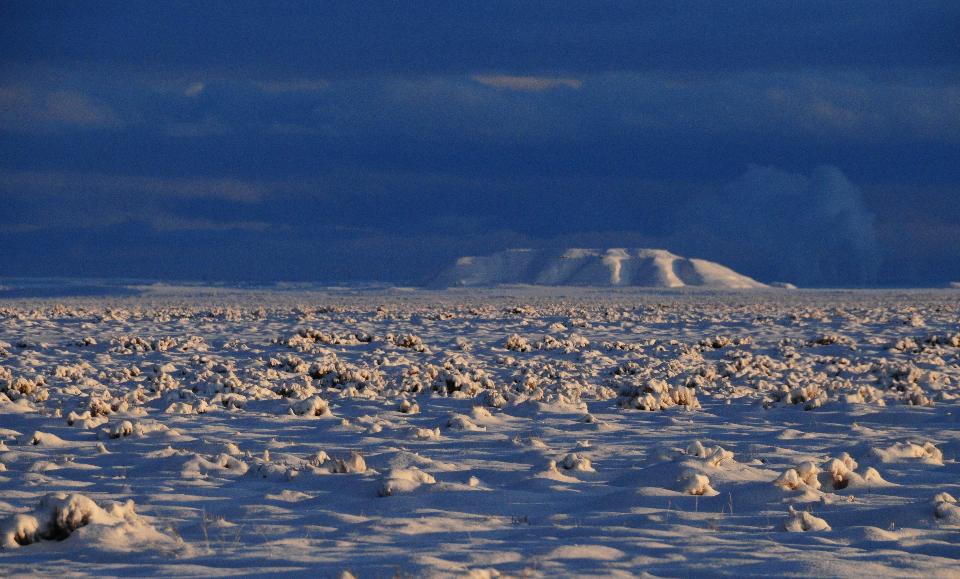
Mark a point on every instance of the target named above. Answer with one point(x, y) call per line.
point(200, 407)
point(426, 433)
point(574, 343)
point(230, 400)
point(716, 342)
point(713, 456)
point(22, 388)
point(86, 420)
point(121, 429)
point(408, 341)
point(697, 484)
point(266, 469)
point(333, 373)
point(946, 509)
point(802, 521)
point(462, 422)
point(306, 339)
point(810, 395)
point(493, 399)
point(404, 480)
point(354, 463)
point(60, 515)
point(39, 438)
point(657, 394)
point(576, 462)
point(199, 467)
point(517, 343)
point(865, 394)
point(833, 339)
point(803, 476)
point(313, 406)
point(319, 458)
point(841, 470)
point(907, 451)
point(458, 378)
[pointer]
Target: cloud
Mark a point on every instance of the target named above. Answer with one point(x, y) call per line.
point(527, 83)
point(812, 230)
point(194, 89)
point(165, 222)
point(73, 108)
point(291, 86)
point(791, 105)
point(503, 108)
point(22, 108)
point(206, 127)
point(19, 228)
point(788, 107)
point(525, 38)
point(80, 184)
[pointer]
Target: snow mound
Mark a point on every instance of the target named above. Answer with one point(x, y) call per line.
point(461, 422)
point(908, 451)
point(838, 474)
point(404, 480)
point(354, 463)
point(697, 484)
point(312, 406)
point(802, 522)
point(592, 267)
point(46, 439)
point(200, 467)
point(114, 527)
point(946, 509)
point(577, 462)
point(803, 477)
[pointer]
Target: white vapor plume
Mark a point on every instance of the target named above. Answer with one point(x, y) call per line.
point(811, 230)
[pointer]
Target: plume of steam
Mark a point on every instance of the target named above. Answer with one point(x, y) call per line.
point(812, 230)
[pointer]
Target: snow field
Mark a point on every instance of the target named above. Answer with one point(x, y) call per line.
point(513, 432)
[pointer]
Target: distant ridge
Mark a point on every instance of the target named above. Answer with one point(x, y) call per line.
point(614, 267)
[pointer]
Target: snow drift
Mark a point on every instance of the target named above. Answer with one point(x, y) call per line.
point(592, 267)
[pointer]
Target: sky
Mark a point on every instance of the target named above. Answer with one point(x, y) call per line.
point(812, 142)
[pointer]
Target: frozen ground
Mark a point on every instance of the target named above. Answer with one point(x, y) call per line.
point(518, 432)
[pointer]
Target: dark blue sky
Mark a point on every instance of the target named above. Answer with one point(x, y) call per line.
point(813, 142)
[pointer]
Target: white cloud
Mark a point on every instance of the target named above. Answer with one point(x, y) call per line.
point(32, 183)
point(291, 86)
point(18, 228)
point(820, 104)
point(74, 108)
point(166, 222)
point(194, 89)
point(22, 108)
point(527, 83)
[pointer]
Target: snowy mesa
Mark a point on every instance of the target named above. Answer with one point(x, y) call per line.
point(656, 268)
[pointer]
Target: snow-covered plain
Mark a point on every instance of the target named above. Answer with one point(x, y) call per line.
point(515, 431)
